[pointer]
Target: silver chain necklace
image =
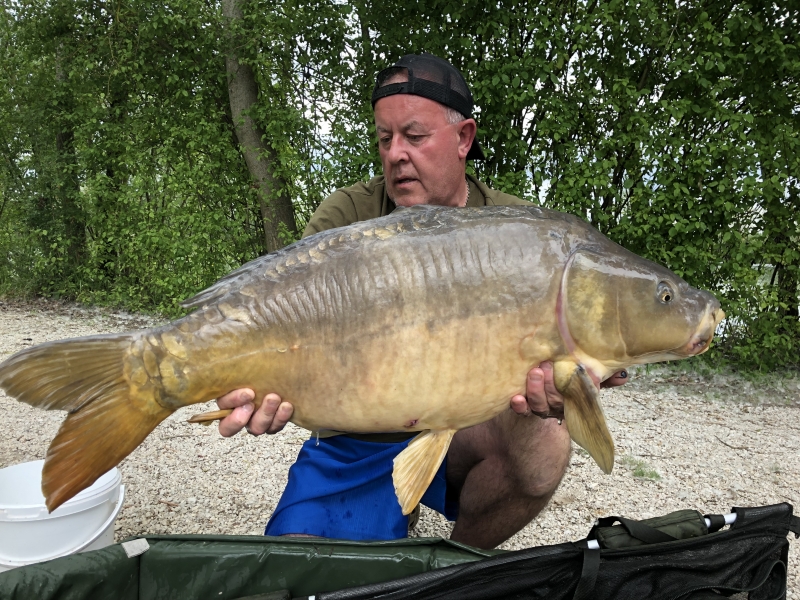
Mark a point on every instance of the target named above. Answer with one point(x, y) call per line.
point(466, 201)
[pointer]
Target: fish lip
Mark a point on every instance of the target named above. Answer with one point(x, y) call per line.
point(698, 344)
point(701, 340)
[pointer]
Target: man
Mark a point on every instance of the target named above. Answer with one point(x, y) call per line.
point(497, 476)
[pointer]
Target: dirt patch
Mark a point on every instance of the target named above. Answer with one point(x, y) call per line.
point(779, 389)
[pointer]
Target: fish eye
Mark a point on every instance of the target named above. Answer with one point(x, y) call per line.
point(665, 293)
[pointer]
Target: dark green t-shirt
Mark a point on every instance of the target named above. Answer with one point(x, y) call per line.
point(365, 201)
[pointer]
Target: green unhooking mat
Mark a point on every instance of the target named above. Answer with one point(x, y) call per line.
point(681, 556)
point(186, 567)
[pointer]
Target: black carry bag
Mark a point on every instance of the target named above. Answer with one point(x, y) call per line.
point(675, 557)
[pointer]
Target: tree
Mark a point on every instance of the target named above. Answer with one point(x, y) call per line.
point(277, 211)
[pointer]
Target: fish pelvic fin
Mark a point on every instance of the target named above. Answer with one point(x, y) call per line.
point(416, 466)
point(583, 414)
point(108, 417)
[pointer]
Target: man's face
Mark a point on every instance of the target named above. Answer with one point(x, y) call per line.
point(423, 155)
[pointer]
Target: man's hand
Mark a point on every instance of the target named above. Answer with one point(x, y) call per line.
point(270, 417)
point(541, 396)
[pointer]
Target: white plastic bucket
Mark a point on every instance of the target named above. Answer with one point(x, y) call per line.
point(29, 534)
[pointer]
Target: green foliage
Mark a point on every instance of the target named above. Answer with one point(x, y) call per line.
point(673, 129)
point(163, 201)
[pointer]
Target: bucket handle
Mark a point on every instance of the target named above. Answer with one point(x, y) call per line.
point(112, 517)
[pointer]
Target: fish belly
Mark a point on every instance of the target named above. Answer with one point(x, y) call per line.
point(412, 378)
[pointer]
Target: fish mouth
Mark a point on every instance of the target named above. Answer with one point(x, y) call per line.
point(701, 340)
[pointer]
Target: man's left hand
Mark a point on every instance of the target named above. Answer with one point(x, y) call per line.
point(543, 399)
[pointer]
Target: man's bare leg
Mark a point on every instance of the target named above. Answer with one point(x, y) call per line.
point(506, 470)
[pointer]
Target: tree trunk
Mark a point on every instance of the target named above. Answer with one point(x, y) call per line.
point(277, 210)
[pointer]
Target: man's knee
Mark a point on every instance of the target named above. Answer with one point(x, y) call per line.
point(526, 456)
point(538, 470)
point(540, 483)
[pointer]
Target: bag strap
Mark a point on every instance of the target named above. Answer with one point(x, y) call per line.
point(591, 567)
point(642, 532)
point(794, 526)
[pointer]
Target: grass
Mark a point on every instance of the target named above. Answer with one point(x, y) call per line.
point(640, 469)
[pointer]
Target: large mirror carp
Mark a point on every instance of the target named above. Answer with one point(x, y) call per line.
point(425, 320)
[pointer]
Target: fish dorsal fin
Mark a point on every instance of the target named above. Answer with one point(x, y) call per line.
point(416, 466)
point(582, 413)
point(232, 280)
point(312, 248)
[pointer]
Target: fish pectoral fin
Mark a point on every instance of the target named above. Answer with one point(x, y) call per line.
point(416, 466)
point(583, 414)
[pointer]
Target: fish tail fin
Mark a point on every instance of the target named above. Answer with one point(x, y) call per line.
point(583, 415)
point(108, 416)
point(416, 466)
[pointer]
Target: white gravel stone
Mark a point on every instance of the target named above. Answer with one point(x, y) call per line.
point(715, 442)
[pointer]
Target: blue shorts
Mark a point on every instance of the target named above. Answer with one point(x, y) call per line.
point(342, 488)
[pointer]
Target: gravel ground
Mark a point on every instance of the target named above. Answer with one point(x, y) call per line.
point(683, 441)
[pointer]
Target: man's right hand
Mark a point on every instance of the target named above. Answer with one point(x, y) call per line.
point(270, 417)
